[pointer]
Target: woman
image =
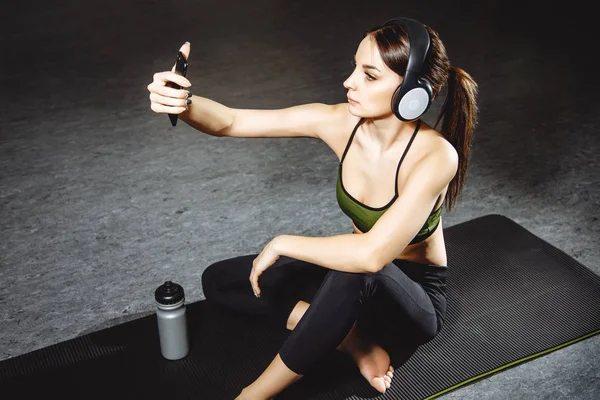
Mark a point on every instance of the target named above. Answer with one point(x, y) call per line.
point(385, 282)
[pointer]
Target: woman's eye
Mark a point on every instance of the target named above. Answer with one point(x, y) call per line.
point(369, 77)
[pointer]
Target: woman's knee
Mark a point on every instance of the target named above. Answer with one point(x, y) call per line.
point(425, 330)
point(220, 273)
point(348, 280)
point(430, 333)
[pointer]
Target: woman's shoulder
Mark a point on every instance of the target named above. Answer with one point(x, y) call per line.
point(341, 118)
point(434, 143)
point(339, 127)
point(429, 150)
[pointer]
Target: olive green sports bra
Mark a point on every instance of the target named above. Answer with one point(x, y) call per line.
point(363, 216)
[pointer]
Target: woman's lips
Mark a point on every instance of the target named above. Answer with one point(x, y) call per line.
point(351, 100)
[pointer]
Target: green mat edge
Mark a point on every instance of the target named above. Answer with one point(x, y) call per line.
point(531, 356)
point(512, 364)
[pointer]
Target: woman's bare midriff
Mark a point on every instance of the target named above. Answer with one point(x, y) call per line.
point(430, 251)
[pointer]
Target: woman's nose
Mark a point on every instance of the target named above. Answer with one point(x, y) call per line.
point(348, 83)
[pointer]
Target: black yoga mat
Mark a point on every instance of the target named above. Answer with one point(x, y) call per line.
point(511, 297)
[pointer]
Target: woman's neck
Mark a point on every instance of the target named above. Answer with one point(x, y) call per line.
point(382, 133)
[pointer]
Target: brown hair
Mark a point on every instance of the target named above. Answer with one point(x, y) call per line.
point(459, 111)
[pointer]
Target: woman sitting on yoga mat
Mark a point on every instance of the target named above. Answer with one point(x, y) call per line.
point(385, 282)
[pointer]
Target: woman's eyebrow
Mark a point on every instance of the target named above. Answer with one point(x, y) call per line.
point(367, 66)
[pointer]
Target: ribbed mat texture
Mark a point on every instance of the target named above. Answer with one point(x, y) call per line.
point(511, 297)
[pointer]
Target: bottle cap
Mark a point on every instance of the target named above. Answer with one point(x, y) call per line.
point(169, 293)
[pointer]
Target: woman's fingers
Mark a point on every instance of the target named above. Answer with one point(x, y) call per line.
point(180, 100)
point(167, 91)
point(251, 277)
point(161, 78)
point(164, 99)
point(254, 279)
point(160, 109)
point(254, 284)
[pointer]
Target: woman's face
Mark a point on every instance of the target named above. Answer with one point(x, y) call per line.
point(371, 84)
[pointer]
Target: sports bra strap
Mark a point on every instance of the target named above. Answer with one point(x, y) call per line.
point(404, 154)
point(351, 137)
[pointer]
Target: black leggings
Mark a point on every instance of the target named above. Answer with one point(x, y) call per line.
point(405, 301)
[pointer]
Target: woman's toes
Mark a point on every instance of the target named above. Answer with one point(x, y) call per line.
point(380, 384)
point(390, 374)
point(387, 378)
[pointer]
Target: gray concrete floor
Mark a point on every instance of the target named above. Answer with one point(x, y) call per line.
point(102, 200)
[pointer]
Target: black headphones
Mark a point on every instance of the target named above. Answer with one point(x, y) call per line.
point(413, 97)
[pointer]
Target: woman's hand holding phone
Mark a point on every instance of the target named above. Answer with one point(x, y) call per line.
point(169, 92)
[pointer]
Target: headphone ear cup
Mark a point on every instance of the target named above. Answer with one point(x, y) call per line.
point(414, 104)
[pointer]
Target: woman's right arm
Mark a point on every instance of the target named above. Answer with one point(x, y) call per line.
point(314, 120)
point(208, 116)
point(308, 120)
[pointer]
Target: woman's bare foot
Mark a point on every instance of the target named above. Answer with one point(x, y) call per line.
point(372, 360)
point(374, 365)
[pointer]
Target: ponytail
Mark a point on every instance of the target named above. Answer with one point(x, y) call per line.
point(459, 113)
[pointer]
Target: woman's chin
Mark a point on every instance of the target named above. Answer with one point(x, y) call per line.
point(357, 111)
point(352, 110)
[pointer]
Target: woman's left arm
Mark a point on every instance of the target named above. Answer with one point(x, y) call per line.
point(374, 250)
point(346, 252)
point(397, 227)
point(393, 231)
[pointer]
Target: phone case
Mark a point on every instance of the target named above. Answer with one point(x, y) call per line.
point(181, 68)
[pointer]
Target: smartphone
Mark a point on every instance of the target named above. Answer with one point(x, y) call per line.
point(180, 68)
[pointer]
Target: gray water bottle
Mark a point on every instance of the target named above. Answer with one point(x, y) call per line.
point(171, 319)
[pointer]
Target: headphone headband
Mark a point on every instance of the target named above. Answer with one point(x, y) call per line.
point(418, 36)
point(413, 97)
